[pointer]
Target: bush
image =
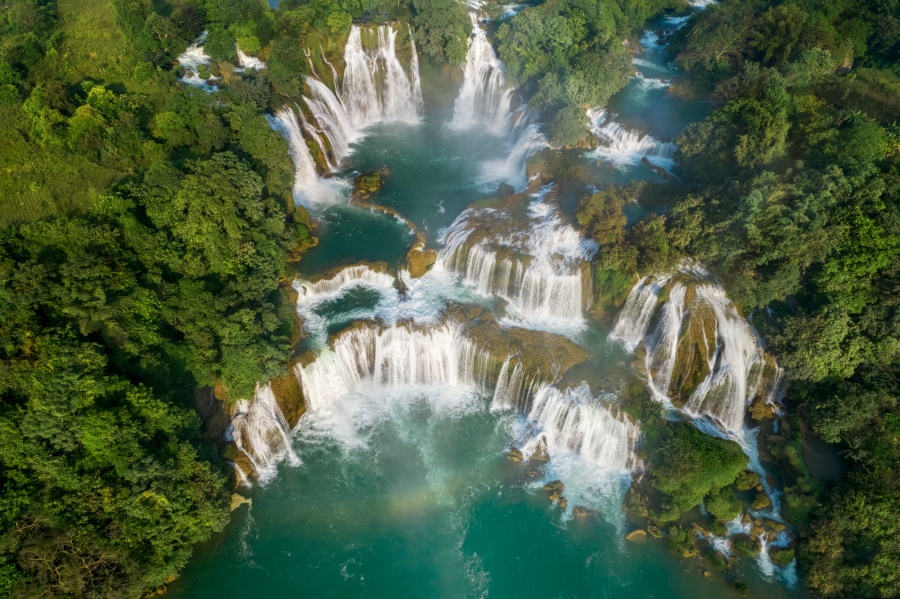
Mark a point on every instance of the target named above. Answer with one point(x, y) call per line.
point(568, 127)
point(691, 465)
point(723, 504)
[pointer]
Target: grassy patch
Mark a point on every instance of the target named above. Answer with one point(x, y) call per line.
point(37, 182)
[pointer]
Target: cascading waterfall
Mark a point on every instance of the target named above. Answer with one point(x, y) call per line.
point(619, 144)
point(375, 88)
point(333, 120)
point(190, 61)
point(484, 99)
point(572, 420)
point(248, 62)
point(538, 267)
point(307, 184)
point(698, 327)
point(514, 387)
point(261, 432)
point(392, 357)
point(394, 97)
point(356, 275)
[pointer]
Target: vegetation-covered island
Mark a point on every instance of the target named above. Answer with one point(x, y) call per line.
point(378, 298)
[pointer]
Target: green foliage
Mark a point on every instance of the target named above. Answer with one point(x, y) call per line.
point(723, 504)
point(795, 202)
point(568, 127)
point(442, 29)
point(691, 465)
point(102, 488)
point(566, 53)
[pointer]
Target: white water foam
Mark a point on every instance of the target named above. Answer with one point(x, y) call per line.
point(260, 431)
point(621, 145)
point(537, 268)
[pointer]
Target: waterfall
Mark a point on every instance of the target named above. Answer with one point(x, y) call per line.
point(190, 61)
point(514, 388)
point(414, 71)
point(574, 421)
point(248, 62)
point(333, 120)
point(484, 99)
point(392, 357)
point(375, 88)
point(698, 328)
point(619, 144)
point(524, 140)
point(361, 275)
point(394, 97)
point(631, 327)
point(535, 263)
point(307, 185)
point(260, 431)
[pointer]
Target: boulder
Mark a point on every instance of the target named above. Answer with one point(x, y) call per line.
point(540, 452)
point(655, 532)
point(514, 455)
point(504, 190)
point(556, 485)
point(563, 503)
point(761, 502)
point(580, 512)
point(420, 259)
point(762, 410)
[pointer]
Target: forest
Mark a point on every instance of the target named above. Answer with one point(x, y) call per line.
point(149, 237)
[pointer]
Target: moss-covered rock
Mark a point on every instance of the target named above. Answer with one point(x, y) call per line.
point(744, 545)
point(761, 502)
point(781, 557)
point(746, 480)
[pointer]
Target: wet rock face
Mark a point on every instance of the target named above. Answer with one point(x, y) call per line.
point(419, 260)
point(289, 396)
point(548, 354)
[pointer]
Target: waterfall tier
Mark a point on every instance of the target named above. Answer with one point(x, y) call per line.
point(392, 357)
point(484, 99)
point(620, 144)
point(573, 421)
point(521, 250)
point(701, 354)
point(308, 187)
point(261, 433)
point(332, 285)
point(375, 88)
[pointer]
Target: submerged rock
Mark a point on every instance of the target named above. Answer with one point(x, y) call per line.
point(239, 500)
point(581, 513)
point(636, 536)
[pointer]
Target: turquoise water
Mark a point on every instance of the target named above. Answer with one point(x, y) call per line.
point(409, 493)
point(421, 502)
